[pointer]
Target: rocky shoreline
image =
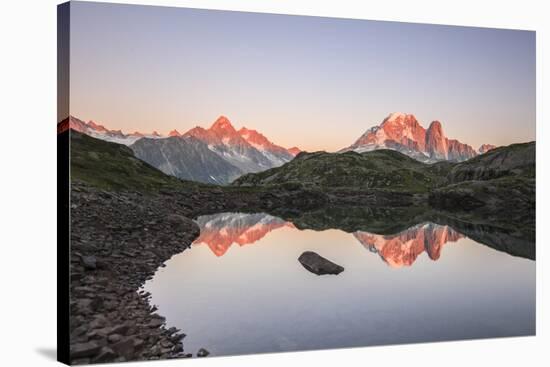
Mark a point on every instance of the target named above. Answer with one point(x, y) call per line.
point(118, 240)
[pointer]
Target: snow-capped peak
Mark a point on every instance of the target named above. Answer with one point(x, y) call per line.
point(403, 132)
point(222, 123)
point(96, 127)
point(395, 115)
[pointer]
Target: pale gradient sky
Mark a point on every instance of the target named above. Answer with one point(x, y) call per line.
point(316, 83)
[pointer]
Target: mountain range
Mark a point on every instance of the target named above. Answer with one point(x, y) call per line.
point(215, 155)
point(404, 133)
point(220, 154)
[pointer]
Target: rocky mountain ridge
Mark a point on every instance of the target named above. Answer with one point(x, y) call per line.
point(216, 155)
point(404, 133)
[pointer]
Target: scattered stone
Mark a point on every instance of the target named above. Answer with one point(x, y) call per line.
point(79, 331)
point(106, 355)
point(84, 303)
point(99, 333)
point(155, 323)
point(114, 338)
point(89, 262)
point(165, 344)
point(81, 361)
point(125, 348)
point(120, 329)
point(138, 343)
point(202, 353)
point(178, 348)
point(177, 337)
point(99, 322)
point(84, 350)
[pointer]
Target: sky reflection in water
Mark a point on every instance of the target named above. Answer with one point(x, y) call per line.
point(240, 288)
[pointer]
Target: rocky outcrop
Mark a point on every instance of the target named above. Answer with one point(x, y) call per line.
point(436, 142)
point(317, 264)
point(458, 152)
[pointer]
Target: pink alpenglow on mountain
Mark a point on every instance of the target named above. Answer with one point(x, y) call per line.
point(459, 152)
point(234, 152)
point(399, 128)
point(221, 132)
point(100, 132)
point(260, 142)
point(294, 151)
point(220, 231)
point(403, 249)
point(174, 133)
point(246, 149)
point(436, 142)
point(96, 127)
point(485, 148)
point(77, 124)
point(404, 133)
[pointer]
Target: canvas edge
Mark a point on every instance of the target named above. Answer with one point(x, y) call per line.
point(63, 185)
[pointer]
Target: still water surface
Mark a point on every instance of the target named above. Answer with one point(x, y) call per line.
point(240, 288)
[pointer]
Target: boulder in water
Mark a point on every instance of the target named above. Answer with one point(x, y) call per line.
point(317, 264)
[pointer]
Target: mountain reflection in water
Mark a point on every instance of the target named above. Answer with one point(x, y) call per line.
point(241, 289)
point(220, 231)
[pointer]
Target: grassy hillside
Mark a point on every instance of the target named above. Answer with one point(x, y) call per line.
point(388, 169)
point(511, 160)
point(380, 169)
point(113, 167)
point(500, 180)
